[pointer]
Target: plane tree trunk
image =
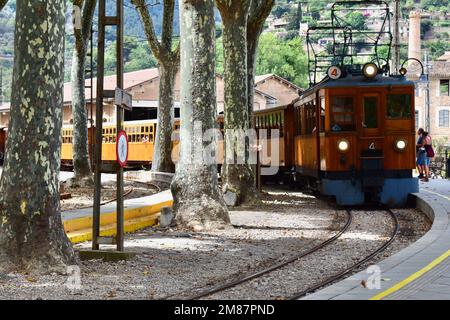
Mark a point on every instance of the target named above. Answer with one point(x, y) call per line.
point(198, 202)
point(169, 61)
point(259, 11)
point(237, 174)
point(32, 237)
point(80, 146)
point(162, 155)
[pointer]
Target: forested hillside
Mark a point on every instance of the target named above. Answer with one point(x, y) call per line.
point(311, 12)
point(137, 53)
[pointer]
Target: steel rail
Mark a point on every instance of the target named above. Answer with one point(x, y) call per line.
point(127, 193)
point(340, 275)
point(277, 266)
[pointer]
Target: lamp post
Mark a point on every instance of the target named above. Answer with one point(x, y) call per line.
point(423, 80)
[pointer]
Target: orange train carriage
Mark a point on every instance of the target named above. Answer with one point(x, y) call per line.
point(355, 138)
point(141, 136)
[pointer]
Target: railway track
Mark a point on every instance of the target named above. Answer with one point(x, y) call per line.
point(342, 274)
point(126, 193)
point(276, 266)
point(280, 265)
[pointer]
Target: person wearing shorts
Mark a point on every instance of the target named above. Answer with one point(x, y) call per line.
point(422, 158)
point(419, 159)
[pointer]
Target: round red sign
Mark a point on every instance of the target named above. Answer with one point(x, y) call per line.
point(122, 148)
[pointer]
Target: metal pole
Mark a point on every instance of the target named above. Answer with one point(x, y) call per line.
point(1, 86)
point(92, 147)
point(447, 165)
point(119, 118)
point(98, 125)
point(396, 42)
point(427, 95)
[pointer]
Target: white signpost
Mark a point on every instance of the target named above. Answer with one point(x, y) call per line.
point(122, 148)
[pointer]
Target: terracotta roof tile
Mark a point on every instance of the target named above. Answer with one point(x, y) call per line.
point(130, 79)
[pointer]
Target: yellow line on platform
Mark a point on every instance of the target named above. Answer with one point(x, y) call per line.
point(412, 277)
point(438, 194)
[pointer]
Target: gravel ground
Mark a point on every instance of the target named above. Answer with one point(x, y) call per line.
point(173, 263)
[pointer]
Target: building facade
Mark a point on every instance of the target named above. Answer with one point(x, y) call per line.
point(439, 99)
point(143, 85)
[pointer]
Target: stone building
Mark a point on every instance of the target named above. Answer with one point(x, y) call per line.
point(434, 118)
point(439, 93)
point(270, 91)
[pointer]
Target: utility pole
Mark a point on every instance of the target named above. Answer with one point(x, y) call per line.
point(1, 86)
point(298, 16)
point(396, 40)
point(427, 92)
point(117, 22)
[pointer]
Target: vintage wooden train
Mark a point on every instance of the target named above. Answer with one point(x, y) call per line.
point(352, 138)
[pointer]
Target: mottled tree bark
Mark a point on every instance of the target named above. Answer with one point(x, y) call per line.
point(80, 146)
point(237, 174)
point(169, 61)
point(259, 11)
point(3, 3)
point(198, 203)
point(32, 237)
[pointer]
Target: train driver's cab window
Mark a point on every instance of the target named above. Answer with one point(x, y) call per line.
point(444, 87)
point(342, 114)
point(370, 112)
point(398, 106)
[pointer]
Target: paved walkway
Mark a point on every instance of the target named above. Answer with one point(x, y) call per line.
point(420, 271)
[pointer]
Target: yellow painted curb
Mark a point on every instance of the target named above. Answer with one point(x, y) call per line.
point(412, 277)
point(80, 230)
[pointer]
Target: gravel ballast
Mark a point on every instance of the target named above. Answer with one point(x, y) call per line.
point(176, 263)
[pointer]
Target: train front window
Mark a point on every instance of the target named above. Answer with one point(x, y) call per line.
point(398, 106)
point(342, 114)
point(370, 112)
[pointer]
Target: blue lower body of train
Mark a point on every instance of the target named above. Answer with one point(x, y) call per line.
point(393, 193)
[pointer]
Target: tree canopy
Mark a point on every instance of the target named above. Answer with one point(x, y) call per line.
point(286, 59)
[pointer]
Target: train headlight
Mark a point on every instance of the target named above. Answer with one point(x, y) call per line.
point(370, 70)
point(400, 145)
point(343, 145)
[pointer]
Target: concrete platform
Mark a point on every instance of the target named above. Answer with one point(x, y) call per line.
point(418, 272)
point(139, 213)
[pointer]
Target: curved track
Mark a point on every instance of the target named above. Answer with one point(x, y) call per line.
point(278, 265)
point(340, 275)
point(126, 193)
point(326, 282)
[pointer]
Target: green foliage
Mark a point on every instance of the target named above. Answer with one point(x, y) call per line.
point(425, 26)
point(356, 20)
point(437, 48)
point(286, 59)
point(137, 56)
point(280, 9)
point(219, 56)
point(435, 5)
